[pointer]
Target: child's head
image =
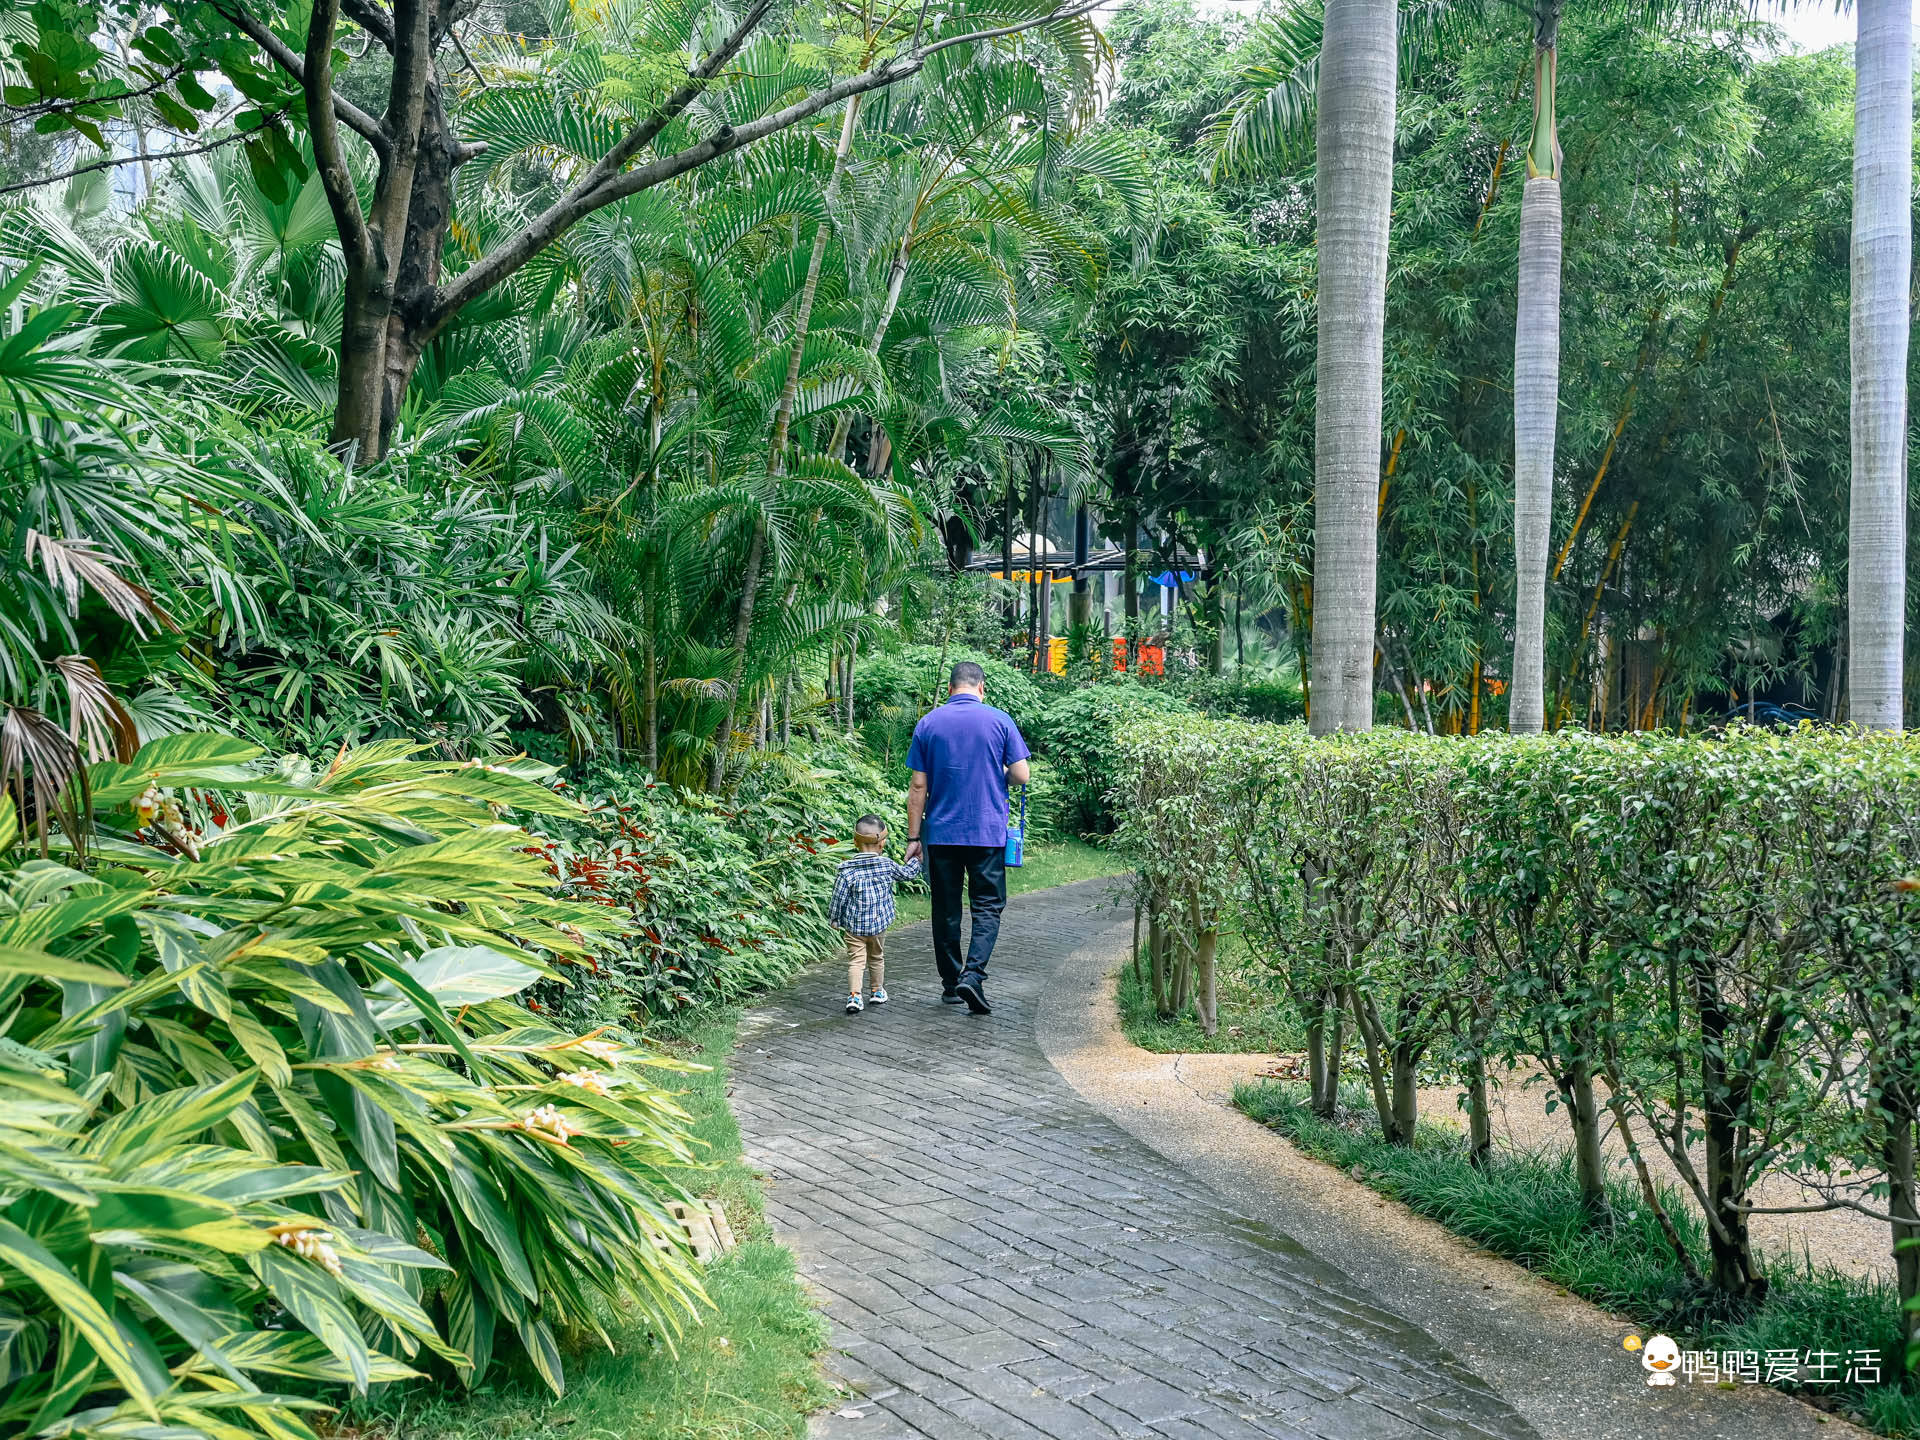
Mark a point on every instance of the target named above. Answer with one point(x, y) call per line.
point(870, 833)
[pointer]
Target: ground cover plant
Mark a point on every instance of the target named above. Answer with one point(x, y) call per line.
point(748, 1371)
point(1705, 939)
point(1531, 1208)
point(1250, 1015)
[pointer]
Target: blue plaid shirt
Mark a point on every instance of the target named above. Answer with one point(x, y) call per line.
point(862, 901)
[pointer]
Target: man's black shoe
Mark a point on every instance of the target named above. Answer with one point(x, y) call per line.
point(973, 990)
point(950, 997)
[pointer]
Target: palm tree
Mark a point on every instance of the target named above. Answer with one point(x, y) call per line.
point(1353, 143)
point(1536, 384)
point(1882, 270)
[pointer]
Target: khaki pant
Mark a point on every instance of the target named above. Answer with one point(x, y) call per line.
point(865, 955)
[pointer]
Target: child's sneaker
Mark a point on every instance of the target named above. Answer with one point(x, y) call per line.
point(878, 997)
point(854, 1005)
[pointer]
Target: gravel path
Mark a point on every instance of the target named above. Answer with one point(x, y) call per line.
point(1556, 1359)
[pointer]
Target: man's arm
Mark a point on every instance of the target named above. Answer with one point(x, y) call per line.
point(1016, 752)
point(916, 811)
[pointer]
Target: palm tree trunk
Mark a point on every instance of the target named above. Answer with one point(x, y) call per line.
point(803, 310)
point(1354, 147)
point(1882, 270)
point(776, 464)
point(1536, 390)
point(742, 627)
point(896, 278)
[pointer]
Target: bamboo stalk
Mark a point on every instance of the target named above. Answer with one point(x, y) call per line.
point(1386, 480)
point(1593, 609)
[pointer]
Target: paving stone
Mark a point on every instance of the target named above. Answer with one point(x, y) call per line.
point(979, 1233)
point(1151, 1401)
point(989, 1349)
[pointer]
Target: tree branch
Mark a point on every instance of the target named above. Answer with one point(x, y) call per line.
point(115, 161)
point(281, 53)
point(356, 243)
point(372, 19)
point(17, 113)
point(606, 183)
point(406, 113)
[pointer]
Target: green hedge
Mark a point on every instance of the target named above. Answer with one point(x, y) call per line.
point(1708, 941)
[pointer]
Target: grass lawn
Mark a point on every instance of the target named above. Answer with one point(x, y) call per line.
point(748, 1371)
point(1527, 1208)
point(1059, 863)
point(1252, 1017)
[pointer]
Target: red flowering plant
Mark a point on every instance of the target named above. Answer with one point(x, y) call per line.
point(724, 896)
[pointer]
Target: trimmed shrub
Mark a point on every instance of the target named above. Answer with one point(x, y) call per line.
point(1711, 940)
point(1078, 731)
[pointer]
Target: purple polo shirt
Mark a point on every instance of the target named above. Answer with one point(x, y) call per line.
point(964, 748)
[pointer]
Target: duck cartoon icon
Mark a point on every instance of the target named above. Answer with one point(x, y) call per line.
point(1660, 1359)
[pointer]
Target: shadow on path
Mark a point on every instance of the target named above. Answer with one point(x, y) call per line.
point(999, 1259)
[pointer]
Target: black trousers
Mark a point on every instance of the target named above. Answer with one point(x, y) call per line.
point(983, 870)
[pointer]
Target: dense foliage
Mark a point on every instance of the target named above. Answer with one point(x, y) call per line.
point(1700, 496)
point(272, 1112)
point(1711, 939)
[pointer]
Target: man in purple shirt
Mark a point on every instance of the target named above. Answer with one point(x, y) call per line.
point(963, 757)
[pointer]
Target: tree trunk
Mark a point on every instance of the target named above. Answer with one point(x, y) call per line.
point(1377, 1062)
point(1583, 1114)
point(1882, 275)
point(776, 463)
point(1206, 993)
point(1479, 1114)
point(1536, 391)
point(1132, 604)
point(896, 277)
point(1006, 564)
point(1404, 1072)
point(650, 703)
point(1733, 1270)
point(1479, 1100)
point(853, 653)
point(362, 371)
point(803, 310)
point(1047, 623)
point(1318, 1088)
point(1216, 611)
point(742, 627)
point(1649, 1192)
point(1354, 199)
point(1239, 638)
point(1336, 1045)
point(1157, 961)
point(1897, 1158)
point(386, 325)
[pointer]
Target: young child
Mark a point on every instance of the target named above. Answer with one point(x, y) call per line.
point(862, 907)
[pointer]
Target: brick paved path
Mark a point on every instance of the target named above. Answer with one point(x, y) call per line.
point(1000, 1260)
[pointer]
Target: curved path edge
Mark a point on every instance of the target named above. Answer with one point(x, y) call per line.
point(1554, 1358)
